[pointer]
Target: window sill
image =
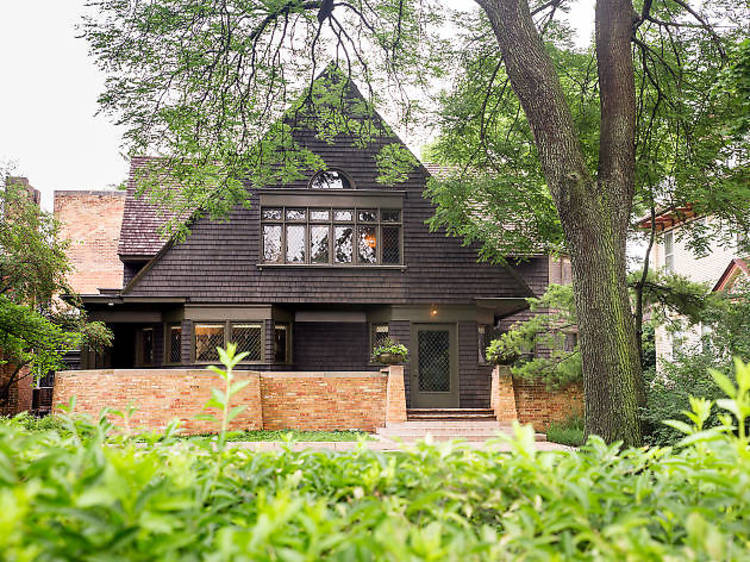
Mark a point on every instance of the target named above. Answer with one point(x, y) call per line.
point(329, 266)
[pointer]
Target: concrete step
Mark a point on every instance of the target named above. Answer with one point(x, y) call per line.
point(455, 425)
point(446, 430)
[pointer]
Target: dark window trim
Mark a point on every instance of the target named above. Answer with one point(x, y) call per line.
point(288, 351)
point(168, 343)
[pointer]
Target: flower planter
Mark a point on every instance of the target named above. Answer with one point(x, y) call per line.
point(389, 358)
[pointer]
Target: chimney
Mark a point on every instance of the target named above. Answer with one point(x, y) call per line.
point(34, 194)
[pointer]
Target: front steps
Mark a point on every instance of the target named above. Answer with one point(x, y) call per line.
point(450, 414)
point(468, 424)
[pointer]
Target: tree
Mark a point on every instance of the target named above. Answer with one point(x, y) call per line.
point(35, 332)
point(206, 82)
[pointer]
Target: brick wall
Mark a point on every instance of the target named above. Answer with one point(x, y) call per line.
point(310, 401)
point(91, 220)
point(515, 398)
point(323, 401)
point(20, 393)
point(159, 395)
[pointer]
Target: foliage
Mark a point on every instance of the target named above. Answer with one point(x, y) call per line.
point(548, 331)
point(567, 432)
point(67, 498)
point(544, 346)
point(35, 331)
point(670, 390)
point(391, 347)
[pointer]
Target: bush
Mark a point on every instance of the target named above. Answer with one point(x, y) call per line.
point(568, 432)
point(64, 498)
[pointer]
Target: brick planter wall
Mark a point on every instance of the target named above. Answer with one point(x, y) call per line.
point(308, 401)
point(515, 398)
point(20, 392)
point(323, 401)
point(160, 395)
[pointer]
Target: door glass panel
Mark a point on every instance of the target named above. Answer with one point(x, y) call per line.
point(295, 244)
point(367, 246)
point(343, 244)
point(319, 244)
point(434, 360)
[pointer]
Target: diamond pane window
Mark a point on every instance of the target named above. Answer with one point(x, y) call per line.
point(320, 215)
point(367, 215)
point(296, 214)
point(248, 338)
point(391, 215)
point(295, 243)
point(341, 215)
point(379, 334)
point(272, 243)
point(434, 360)
point(175, 344)
point(342, 236)
point(271, 214)
point(330, 179)
point(319, 244)
point(391, 244)
point(207, 338)
point(367, 244)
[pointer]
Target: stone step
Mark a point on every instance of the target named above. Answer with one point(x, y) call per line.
point(450, 414)
point(456, 425)
point(446, 430)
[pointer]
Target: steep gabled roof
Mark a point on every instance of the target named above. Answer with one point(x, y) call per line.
point(141, 219)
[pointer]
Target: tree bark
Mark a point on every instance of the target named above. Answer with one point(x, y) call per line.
point(594, 212)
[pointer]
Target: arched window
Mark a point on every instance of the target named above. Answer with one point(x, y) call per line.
point(330, 179)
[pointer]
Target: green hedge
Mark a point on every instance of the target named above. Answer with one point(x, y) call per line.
point(63, 497)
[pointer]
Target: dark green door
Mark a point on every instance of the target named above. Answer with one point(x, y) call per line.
point(434, 366)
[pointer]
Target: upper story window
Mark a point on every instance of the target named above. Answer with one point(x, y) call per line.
point(331, 236)
point(330, 179)
point(669, 251)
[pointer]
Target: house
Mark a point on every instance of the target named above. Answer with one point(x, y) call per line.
point(718, 267)
point(309, 277)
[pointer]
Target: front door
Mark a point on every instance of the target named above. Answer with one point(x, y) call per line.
point(434, 366)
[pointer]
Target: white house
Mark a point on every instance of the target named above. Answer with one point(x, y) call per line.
point(717, 268)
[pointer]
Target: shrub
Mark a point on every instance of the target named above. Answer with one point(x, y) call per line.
point(63, 498)
point(568, 432)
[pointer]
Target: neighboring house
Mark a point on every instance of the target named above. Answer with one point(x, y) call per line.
point(671, 253)
point(311, 276)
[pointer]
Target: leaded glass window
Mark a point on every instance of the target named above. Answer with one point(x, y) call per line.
point(248, 338)
point(330, 179)
point(207, 338)
point(331, 236)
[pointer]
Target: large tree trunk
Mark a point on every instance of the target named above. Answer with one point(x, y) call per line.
point(594, 212)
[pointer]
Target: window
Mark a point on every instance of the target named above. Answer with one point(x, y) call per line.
point(207, 338)
point(247, 335)
point(248, 338)
point(281, 343)
point(669, 251)
point(331, 236)
point(174, 343)
point(570, 342)
point(330, 179)
point(379, 333)
point(145, 347)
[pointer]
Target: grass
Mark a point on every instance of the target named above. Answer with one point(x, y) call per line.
point(568, 432)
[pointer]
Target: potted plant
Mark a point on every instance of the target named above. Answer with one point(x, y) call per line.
point(388, 352)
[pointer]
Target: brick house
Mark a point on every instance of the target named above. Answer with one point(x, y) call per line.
point(308, 278)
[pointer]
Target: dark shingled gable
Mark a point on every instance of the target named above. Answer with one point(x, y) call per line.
point(218, 262)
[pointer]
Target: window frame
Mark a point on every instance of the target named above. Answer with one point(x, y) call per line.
point(227, 331)
point(332, 223)
point(168, 342)
point(669, 255)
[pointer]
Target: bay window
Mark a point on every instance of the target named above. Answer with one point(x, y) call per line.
point(332, 236)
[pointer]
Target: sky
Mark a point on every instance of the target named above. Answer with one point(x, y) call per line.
point(48, 91)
